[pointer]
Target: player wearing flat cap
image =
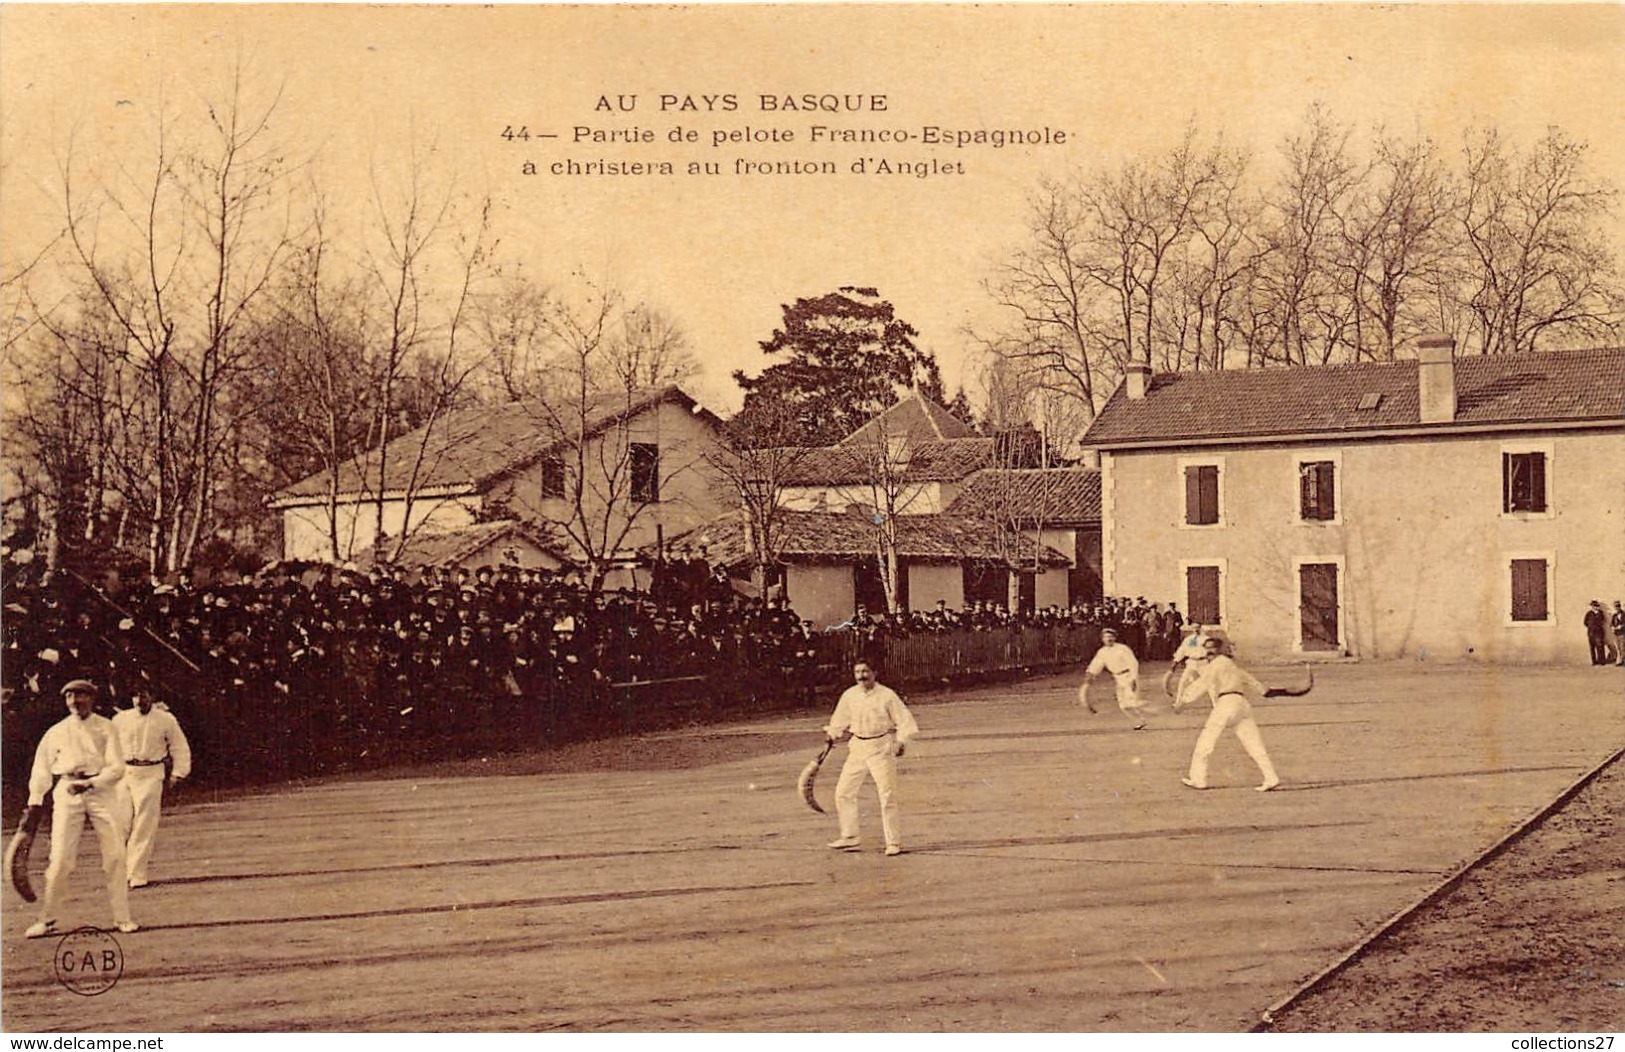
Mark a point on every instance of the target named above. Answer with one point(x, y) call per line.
point(80, 757)
point(1117, 659)
point(881, 727)
point(156, 755)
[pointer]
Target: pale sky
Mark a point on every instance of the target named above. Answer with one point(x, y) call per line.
point(722, 253)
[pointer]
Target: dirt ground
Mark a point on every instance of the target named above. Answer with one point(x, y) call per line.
point(1533, 940)
point(1058, 879)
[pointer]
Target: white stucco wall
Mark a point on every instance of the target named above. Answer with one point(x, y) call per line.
point(928, 582)
point(1423, 548)
point(824, 595)
point(925, 498)
point(305, 532)
point(691, 493)
point(1050, 588)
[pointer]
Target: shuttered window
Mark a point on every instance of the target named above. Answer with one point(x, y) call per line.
point(1523, 482)
point(1529, 600)
point(1202, 594)
point(1201, 494)
point(1317, 491)
point(552, 475)
point(645, 472)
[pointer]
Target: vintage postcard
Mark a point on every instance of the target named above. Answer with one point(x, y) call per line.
point(502, 481)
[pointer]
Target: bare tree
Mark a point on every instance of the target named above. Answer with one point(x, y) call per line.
point(1536, 266)
point(1397, 245)
point(586, 385)
point(757, 464)
point(1306, 210)
point(1047, 287)
point(1141, 219)
point(312, 395)
point(888, 491)
point(180, 253)
point(423, 327)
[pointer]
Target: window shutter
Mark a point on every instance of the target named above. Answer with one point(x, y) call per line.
point(1202, 594)
point(1193, 496)
point(1537, 482)
point(1210, 494)
point(1529, 590)
point(1523, 482)
point(1326, 489)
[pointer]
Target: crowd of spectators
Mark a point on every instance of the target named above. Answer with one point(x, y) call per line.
point(353, 660)
point(1152, 630)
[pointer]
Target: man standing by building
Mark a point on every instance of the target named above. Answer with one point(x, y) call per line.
point(881, 728)
point(1117, 659)
point(155, 755)
point(1596, 624)
point(80, 757)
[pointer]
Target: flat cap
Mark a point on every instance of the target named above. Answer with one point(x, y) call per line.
point(78, 684)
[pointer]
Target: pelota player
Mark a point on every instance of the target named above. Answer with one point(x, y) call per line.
point(881, 727)
point(80, 756)
point(1230, 686)
point(156, 755)
point(1117, 659)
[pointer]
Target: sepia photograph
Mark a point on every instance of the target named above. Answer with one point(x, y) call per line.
point(809, 518)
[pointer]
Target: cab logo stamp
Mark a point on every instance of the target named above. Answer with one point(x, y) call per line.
point(89, 961)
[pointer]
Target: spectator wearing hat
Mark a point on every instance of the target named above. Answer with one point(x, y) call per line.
point(1596, 625)
point(79, 758)
point(1616, 621)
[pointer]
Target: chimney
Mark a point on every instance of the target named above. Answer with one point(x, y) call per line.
point(1436, 378)
point(1137, 376)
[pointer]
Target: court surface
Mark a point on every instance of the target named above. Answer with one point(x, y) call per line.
point(1058, 875)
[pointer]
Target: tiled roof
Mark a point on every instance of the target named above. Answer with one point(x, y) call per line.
point(468, 448)
point(1540, 387)
point(1055, 497)
point(451, 547)
point(843, 465)
point(915, 417)
point(812, 535)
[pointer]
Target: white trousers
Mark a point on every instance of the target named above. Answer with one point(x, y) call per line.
point(1230, 711)
point(1128, 692)
point(145, 788)
point(108, 812)
point(873, 759)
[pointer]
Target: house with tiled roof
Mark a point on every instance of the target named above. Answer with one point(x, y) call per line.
point(597, 480)
point(1056, 507)
point(1440, 508)
point(501, 542)
point(898, 477)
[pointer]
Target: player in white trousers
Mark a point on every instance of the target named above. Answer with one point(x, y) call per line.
point(1118, 660)
point(151, 739)
point(881, 727)
point(1230, 686)
point(80, 756)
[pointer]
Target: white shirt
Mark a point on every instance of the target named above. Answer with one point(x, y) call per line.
point(872, 713)
point(1115, 658)
point(75, 746)
point(1191, 649)
point(1222, 676)
point(152, 737)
